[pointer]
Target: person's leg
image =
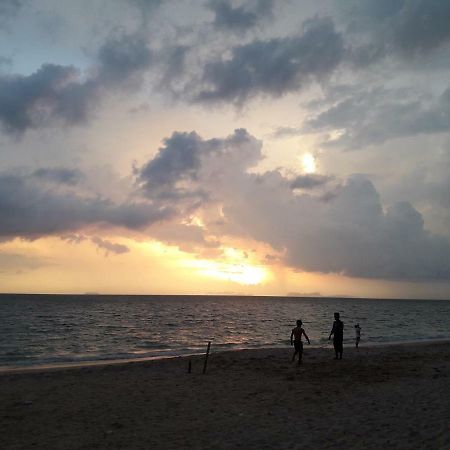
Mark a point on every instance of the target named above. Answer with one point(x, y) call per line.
point(335, 349)
point(300, 354)
point(293, 356)
point(341, 349)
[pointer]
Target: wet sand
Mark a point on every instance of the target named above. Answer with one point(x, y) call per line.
point(375, 398)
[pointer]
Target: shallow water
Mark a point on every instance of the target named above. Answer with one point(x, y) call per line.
point(39, 329)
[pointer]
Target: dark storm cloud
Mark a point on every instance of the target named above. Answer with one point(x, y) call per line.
point(109, 247)
point(275, 66)
point(30, 209)
point(61, 93)
point(59, 175)
point(374, 116)
point(240, 18)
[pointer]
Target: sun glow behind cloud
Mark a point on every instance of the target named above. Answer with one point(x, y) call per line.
point(234, 267)
point(308, 163)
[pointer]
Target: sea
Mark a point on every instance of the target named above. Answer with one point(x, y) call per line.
point(70, 329)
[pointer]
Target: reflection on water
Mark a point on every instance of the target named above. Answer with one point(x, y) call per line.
point(36, 329)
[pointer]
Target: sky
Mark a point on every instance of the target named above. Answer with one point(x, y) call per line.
point(257, 147)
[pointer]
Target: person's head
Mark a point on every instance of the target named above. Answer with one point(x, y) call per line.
point(357, 325)
point(336, 316)
point(299, 323)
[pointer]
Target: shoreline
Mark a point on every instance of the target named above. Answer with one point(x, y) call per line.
point(43, 367)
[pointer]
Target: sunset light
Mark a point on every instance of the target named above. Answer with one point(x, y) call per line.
point(238, 273)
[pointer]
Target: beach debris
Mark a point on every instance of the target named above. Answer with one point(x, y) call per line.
point(206, 356)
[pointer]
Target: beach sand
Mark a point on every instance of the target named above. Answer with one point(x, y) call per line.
point(376, 398)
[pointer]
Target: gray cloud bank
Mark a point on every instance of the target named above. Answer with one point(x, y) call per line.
point(275, 66)
point(365, 33)
point(62, 93)
point(31, 209)
point(317, 222)
point(376, 115)
point(346, 230)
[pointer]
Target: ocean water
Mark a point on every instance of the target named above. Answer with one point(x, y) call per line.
point(48, 329)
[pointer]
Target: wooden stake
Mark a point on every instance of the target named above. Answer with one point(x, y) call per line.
point(206, 356)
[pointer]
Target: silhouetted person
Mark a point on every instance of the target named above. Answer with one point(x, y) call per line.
point(338, 336)
point(297, 333)
point(357, 334)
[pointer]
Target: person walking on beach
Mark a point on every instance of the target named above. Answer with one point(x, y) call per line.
point(338, 336)
point(296, 341)
point(357, 334)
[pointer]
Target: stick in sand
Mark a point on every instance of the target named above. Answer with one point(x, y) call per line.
point(206, 356)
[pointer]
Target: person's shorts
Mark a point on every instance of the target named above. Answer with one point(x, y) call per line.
point(338, 346)
point(298, 345)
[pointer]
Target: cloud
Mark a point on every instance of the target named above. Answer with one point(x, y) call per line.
point(9, 8)
point(146, 5)
point(31, 210)
point(53, 91)
point(406, 28)
point(240, 18)
point(63, 93)
point(122, 58)
point(351, 233)
point(59, 175)
point(273, 67)
point(309, 181)
point(176, 171)
point(109, 247)
point(376, 115)
point(16, 262)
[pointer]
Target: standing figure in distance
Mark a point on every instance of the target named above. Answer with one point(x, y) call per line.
point(297, 333)
point(357, 334)
point(338, 336)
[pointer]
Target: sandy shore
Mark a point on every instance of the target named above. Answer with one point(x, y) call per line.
point(376, 398)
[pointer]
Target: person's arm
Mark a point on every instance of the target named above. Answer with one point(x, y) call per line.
point(307, 338)
point(292, 334)
point(331, 332)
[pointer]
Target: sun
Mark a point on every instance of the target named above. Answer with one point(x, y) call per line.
point(234, 267)
point(308, 163)
point(239, 273)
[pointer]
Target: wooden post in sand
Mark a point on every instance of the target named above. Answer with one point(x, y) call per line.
point(206, 356)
